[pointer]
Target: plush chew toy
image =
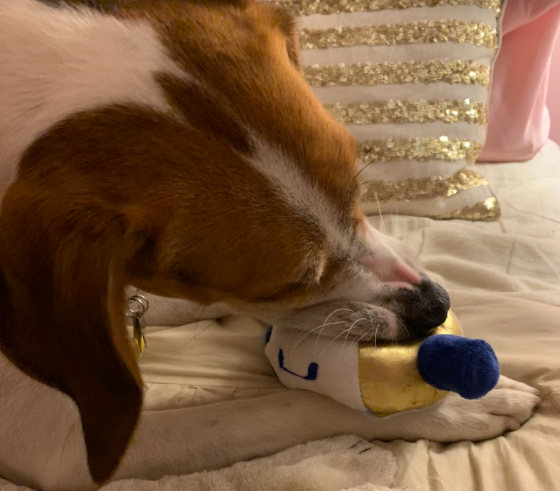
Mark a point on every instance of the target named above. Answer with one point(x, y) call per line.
point(387, 378)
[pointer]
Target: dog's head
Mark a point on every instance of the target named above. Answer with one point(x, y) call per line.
point(241, 189)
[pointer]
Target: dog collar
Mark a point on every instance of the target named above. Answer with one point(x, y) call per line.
point(137, 305)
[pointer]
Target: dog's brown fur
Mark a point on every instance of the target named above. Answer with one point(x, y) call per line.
point(125, 195)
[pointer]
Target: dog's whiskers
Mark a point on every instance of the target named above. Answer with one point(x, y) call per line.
point(336, 337)
point(375, 335)
point(345, 341)
point(337, 310)
point(348, 334)
point(362, 337)
point(371, 179)
point(296, 333)
point(406, 330)
point(326, 320)
point(376, 329)
point(381, 215)
point(307, 334)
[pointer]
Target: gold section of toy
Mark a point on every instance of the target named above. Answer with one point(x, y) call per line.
point(389, 378)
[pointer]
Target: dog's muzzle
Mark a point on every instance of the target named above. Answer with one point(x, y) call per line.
point(423, 308)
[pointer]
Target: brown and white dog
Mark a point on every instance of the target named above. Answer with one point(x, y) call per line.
point(173, 145)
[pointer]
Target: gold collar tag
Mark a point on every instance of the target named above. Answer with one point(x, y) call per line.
point(136, 308)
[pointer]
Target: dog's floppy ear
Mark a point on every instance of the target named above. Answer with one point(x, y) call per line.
point(62, 303)
point(288, 24)
point(284, 20)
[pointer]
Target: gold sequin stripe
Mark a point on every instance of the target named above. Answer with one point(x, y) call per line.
point(423, 188)
point(325, 7)
point(445, 31)
point(486, 210)
point(415, 111)
point(420, 72)
point(421, 149)
point(476, 33)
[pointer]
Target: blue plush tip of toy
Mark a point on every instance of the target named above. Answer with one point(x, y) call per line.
point(468, 367)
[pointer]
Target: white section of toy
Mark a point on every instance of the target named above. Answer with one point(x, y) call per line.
point(316, 363)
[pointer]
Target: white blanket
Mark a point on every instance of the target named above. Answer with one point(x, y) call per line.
point(346, 463)
point(504, 280)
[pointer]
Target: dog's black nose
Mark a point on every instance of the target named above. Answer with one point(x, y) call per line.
point(423, 308)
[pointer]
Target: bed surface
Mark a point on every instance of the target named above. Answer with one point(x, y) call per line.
point(504, 281)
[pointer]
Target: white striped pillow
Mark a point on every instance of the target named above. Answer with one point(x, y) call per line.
point(411, 79)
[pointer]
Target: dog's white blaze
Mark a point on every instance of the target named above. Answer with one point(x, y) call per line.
point(299, 193)
point(55, 62)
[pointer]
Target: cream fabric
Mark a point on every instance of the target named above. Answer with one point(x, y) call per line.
point(413, 120)
point(206, 362)
point(504, 280)
point(326, 465)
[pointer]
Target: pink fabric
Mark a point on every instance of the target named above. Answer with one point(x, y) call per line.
point(553, 96)
point(519, 122)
